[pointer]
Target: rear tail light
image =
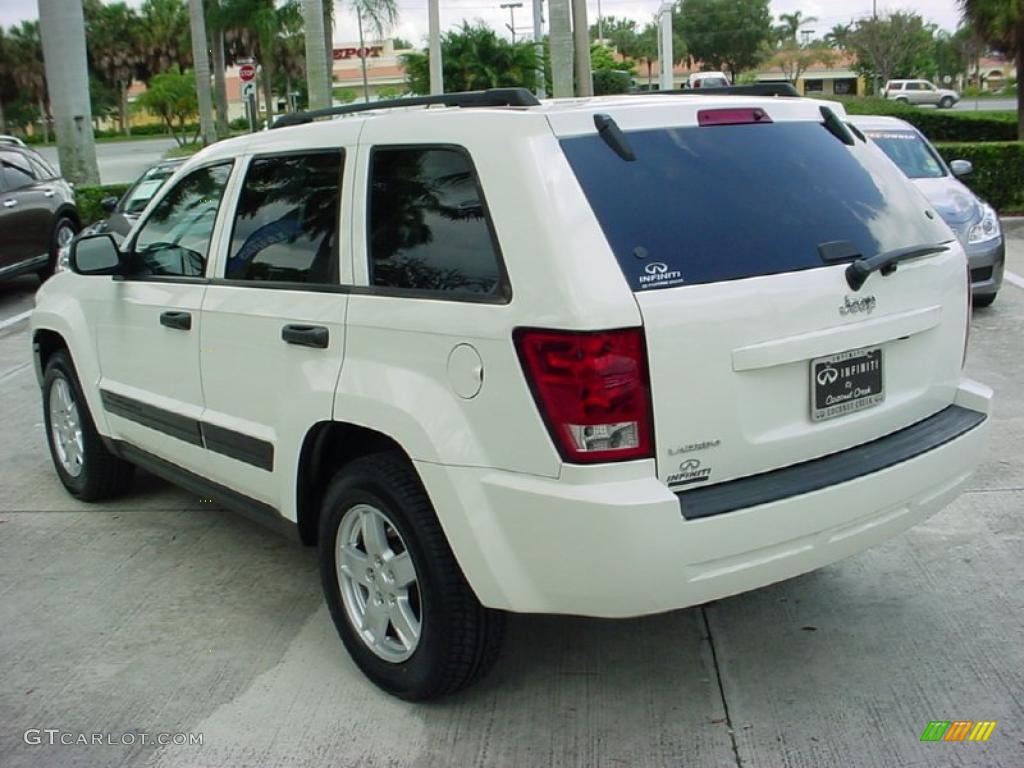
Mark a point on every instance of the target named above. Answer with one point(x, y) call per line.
point(593, 391)
point(970, 311)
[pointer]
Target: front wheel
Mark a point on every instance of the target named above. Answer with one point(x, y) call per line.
point(946, 103)
point(86, 468)
point(398, 598)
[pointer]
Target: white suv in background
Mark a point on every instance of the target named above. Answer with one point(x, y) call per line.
point(920, 92)
point(606, 357)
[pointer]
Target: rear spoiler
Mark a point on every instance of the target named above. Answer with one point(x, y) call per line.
point(754, 89)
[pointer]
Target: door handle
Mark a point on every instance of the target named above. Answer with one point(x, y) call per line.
point(10, 203)
point(315, 336)
point(182, 321)
point(48, 193)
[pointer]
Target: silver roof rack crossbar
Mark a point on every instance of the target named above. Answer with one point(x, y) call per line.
point(493, 97)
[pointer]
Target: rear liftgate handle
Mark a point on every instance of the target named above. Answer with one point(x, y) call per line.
point(315, 336)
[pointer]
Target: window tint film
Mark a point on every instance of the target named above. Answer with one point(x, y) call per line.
point(704, 204)
point(175, 239)
point(905, 148)
point(428, 225)
point(286, 226)
point(17, 170)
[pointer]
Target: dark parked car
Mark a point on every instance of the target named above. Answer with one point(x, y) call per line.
point(37, 211)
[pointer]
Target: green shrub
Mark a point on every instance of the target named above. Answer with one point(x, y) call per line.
point(940, 124)
point(608, 81)
point(88, 200)
point(998, 175)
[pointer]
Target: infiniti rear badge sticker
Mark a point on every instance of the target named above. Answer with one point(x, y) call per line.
point(690, 471)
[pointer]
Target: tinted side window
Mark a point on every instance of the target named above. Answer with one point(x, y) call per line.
point(41, 168)
point(17, 171)
point(175, 239)
point(286, 225)
point(428, 223)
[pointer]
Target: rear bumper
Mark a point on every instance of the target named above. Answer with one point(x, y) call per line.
point(621, 547)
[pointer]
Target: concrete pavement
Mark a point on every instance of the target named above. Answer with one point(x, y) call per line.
point(121, 162)
point(156, 613)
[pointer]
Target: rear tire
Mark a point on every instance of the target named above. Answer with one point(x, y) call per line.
point(64, 232)
point(86, 468)
point(456, 639)
point(980, 302)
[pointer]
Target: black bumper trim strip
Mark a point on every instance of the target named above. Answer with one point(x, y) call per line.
point(902, 445)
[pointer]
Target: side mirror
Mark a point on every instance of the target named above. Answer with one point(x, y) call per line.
point(108, 204)
point(961, 167)
point(95, 255)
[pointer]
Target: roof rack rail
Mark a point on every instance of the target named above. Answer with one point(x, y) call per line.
point(493, 97)
point(754, 89)
point(5, 139)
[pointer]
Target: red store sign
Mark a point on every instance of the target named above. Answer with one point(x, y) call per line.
point(371, 52)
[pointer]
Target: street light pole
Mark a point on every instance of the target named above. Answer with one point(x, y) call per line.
point(665, 54)
point(512, 18)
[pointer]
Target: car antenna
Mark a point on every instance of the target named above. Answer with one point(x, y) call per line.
point(836, 126)
point(613, 136)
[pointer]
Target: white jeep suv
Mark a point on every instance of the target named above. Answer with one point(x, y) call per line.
point(606, 357)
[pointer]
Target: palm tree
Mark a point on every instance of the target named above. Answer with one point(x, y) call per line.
point(28, 71)
point(837, 36)
point(164, 37)
point(112, 33)
point(317, 76)
point(62, 32)
point(380, 16)
point(201, 57)
point(791, 23)
point(561, 47)
point(1001, 24)
point(215, 34)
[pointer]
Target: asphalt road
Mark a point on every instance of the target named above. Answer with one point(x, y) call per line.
point(986, 105)
point(158, 614)
point(121, 162)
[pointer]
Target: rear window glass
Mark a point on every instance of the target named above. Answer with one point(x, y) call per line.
point(705, 204)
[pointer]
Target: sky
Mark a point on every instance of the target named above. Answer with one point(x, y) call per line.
point(412, 23)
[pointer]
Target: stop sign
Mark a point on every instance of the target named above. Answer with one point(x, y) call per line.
point(247, 72)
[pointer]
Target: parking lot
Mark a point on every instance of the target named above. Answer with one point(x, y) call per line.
point(158, 614)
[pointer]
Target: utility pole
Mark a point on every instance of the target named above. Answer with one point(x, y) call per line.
point(538, 46)
point(666, 58)
point(600, 23)
point(512, 18)
point(62, 29)
point(581, 41)
point(434, 32)
point(560, 39)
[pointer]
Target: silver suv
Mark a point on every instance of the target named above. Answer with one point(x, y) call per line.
point(920, 92)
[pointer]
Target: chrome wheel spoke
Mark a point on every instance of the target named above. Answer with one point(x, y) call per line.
point(405, 624)
point(353, 563)
point(400, 570)
point(375, 538)
point(376, 620)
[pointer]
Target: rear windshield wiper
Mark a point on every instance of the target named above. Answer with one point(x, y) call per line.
point(886, 262)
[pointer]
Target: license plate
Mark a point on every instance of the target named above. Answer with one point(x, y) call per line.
point(845, 383)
